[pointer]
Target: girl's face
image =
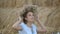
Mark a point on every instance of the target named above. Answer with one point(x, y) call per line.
point(30, 17)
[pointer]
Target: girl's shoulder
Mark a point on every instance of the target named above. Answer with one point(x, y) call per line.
point(34, 26)
point(21, 24)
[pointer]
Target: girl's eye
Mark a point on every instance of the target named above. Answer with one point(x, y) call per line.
point(33, 15)
point(29, 15)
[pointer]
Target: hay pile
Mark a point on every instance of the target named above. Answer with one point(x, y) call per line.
point(49, 12)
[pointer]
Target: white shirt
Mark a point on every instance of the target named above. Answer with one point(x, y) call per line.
point(27, 30)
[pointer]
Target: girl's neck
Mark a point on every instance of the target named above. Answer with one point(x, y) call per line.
point(29, 24)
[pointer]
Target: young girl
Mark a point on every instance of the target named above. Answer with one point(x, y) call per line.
point(26, 24)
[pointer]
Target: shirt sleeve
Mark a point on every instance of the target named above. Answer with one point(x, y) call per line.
point(21, 24)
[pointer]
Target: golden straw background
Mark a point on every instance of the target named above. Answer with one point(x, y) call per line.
point(49, 12)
